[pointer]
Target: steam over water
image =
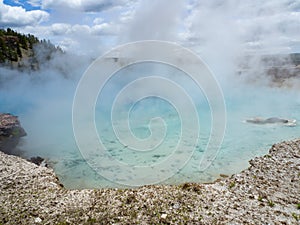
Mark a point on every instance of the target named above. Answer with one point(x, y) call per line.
point(45, 111)
point(228, 35)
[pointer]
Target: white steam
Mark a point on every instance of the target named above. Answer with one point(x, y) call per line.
point(230, 36)
point(157, 20)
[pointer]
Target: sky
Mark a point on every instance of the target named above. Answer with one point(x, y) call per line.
point(94, 26)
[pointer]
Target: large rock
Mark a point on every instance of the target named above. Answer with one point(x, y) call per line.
point(10, 132)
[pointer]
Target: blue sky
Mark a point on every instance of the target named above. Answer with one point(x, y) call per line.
point(93, 26)
point(23, 3)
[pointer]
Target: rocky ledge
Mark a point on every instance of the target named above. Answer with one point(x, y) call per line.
point(268, 192)
point(10, 132)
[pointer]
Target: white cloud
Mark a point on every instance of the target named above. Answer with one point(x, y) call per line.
point(82, 39)
point(98, 20)
point(85, 5)
point(73, 30)
point(227, 26)
point(261, 25)
point(35, 3)
point(59, 28)
point(127, 16)
point(17, 16)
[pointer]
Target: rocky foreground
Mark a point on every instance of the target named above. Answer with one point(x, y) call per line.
point(268, 192)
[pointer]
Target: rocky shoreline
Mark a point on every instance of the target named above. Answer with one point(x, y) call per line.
point(268, 192)
point(10, 132)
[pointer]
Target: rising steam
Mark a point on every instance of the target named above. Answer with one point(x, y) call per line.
point(238, 41)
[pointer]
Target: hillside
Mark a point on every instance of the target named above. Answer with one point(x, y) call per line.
point(20, 51)
point(281, 70)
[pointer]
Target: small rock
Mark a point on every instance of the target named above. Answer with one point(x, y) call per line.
point(36, 160)
point(176, 206)
point(164, 216)
point(38, 220)
point(223, 175)
point(53, 184)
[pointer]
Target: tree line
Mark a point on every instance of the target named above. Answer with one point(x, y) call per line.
point(14, 46)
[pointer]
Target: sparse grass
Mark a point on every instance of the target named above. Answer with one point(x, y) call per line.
point(298, 206)
point(260, 198)
point(91, 220)
point(63, 223)
point(185, 186)
point(271, 204)
point(231, 185)
point(191, 187)
point(296, 216)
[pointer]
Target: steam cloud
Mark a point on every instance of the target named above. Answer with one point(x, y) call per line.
point(223, 33)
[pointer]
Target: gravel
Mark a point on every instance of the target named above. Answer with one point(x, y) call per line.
point(268, 192)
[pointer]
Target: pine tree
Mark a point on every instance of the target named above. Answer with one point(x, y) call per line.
point(19, 51)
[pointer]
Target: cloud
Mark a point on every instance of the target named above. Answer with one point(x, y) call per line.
point(16, 16)
point(98, 20)
point(82, 30)
point(35, 3)
point(233, 25)
point(80, 39)
point(269, 26)
point(85, 5)
point(106, 29)
point(59, 28)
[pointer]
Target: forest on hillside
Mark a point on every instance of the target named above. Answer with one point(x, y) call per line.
point(24, 51)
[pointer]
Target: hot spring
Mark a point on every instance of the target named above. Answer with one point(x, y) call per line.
point(44, 107)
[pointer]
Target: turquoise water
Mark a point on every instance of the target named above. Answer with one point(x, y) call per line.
point(46, 115)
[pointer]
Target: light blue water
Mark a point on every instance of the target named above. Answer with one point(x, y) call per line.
point(46, 115)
